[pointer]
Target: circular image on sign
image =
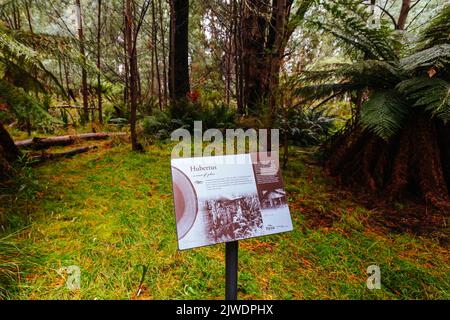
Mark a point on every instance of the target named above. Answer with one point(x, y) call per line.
point(185, 200)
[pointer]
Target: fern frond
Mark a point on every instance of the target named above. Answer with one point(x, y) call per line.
point(347, 21)
point(433, 94)
point(25, 107)
point(320, 91)
point(438, 30)
point(384, 113)
point(437, 56)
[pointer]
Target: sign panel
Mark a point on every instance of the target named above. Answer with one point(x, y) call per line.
point(227, 198)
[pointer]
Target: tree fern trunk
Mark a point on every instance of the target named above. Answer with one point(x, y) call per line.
point(10, 151)
point(414, 163)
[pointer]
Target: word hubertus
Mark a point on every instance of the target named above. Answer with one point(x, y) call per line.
point(200, 168)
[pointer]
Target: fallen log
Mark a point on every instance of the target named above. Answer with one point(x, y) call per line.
point(51, 156)
point(44, 143)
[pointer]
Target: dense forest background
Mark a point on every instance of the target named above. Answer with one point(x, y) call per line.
point(364, 86)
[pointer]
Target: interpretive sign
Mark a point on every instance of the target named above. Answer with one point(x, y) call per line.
point(228, 198)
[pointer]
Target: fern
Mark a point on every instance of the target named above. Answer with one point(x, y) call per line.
point(430, 93)
point(396, 85)
point(438, 30)
point(437, 56)
point(25, 107)
point(313, 92)
point(348, 23)
point(384, 113)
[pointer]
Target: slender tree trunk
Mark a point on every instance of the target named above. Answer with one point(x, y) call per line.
point(237, 10)
point(126, 66)
point(404, 12)
point(163, 48)
point(67, 80)
point(172, 51)
point(152, 66)
point(83, 70)
point(132, 56)
point(179, 66)
point(99, 84)
point(228, 61)
point(61, 80)
point(155, 48)
point(138, 78)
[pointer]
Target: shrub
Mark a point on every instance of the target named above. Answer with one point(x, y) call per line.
point(306, 127)
point(160, 124)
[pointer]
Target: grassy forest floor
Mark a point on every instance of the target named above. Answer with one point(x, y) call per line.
point(110, 212)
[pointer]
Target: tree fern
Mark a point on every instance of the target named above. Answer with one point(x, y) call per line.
point(19, 55)
point(25, 107)
point(430, 93)
point(384, 113)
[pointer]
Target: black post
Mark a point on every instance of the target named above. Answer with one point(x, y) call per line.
point(231, 270)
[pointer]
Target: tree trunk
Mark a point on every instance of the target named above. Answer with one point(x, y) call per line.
point(237, 37)
point(404, 12)
point(83, 56)
point(99, 84)
point(163, 50)
point(179, 64)
point(132, 58)
point(152, 66)
point(126, 89)
point(413, 163)
point(155, 49)
point(45, 143)
point(276, 47)
point(263, 46)
point(10, 150)
point(52, 156)
point(254, 28)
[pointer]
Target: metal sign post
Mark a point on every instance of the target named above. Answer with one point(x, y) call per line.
point(231, 270)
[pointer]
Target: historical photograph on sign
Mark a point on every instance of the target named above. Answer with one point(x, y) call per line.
point(234, 218)
point(274, 198)
point(221, 201)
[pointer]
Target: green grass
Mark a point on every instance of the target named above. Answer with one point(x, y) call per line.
point(110, 212)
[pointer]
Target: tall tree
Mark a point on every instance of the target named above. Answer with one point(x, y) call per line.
point(266, 29)
point(163, 51)
point(179, 55)
point(155, 50)
point(99, 84)
point(132, 28)
point(254, 28)
point(275, 47)
point(132, 58)
point(126, 90)
point(83, 69)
